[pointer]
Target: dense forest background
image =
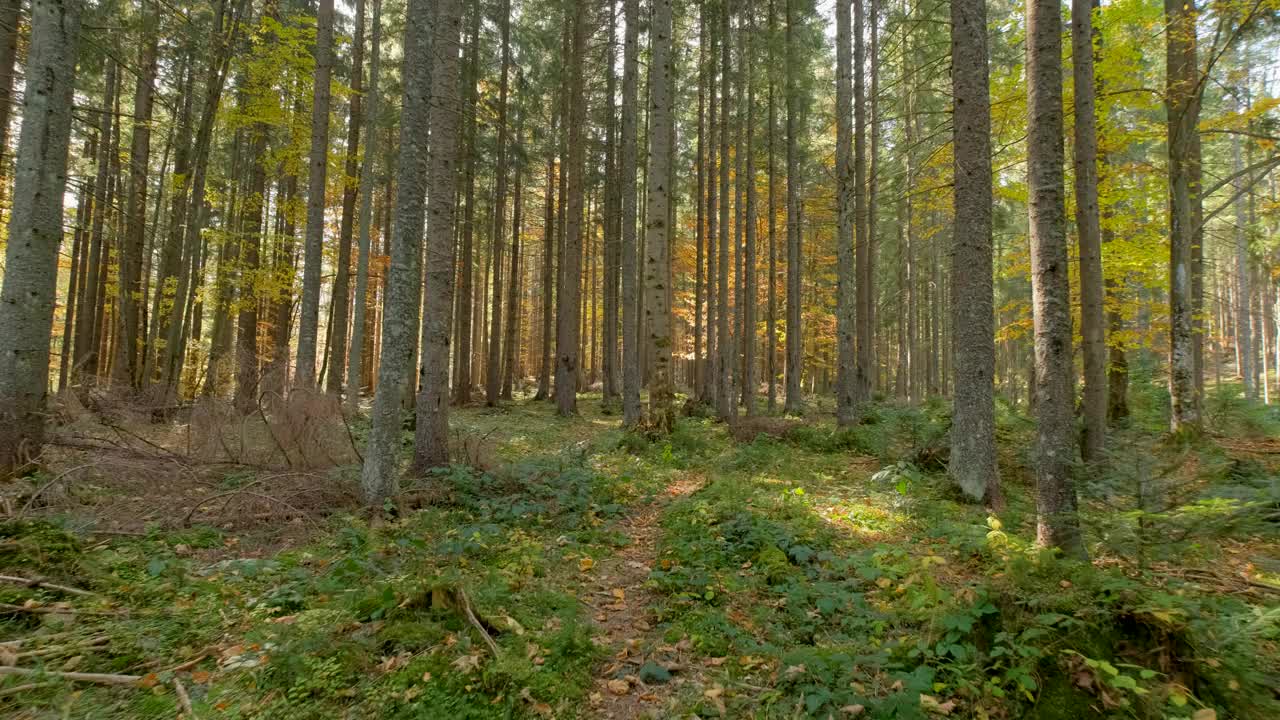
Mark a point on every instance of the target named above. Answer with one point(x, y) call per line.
point(952, 327)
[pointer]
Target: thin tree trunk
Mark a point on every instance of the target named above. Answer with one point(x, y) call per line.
point(846, 343)
point(631, 412)
point(313, 248)
point(548, 266)
point(794, 402)
point(1183, 108)
point(1088, 225)
point(750, 270)
point(355, 363)
point(341, 304)
point(725, 405)
point(568, 326)
point(513, 285)
point(493, 366)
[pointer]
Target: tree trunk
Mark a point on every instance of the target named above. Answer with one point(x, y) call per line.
point(771, 323)
point(725, 405)
point(35, 231)
point(379, 478)
point(127, 368)
point(631, 412)
point(1088, 225)
point(1057, 525)
point(794, 402)
point(511, 345)
point(87, 337)
point(342, 277)
point(355, 365)
point(431, 446)
point(548, 266)
point(972, 464)
point(845, 219)
point(467, 307)
point(750, 291)
point(1183, 108)
point(493, 365)
point(662, 416)
point(313, 247)
point(568, 325)
point(861, 235)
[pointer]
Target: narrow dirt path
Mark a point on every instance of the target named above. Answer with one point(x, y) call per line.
point(642, 673)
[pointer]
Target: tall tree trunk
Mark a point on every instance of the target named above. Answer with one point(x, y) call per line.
point(548, 265)
point(247, 379)
point(342, 276)
point(87, 337)
point(631, 412)
point(467, 305)
point(1088, 225)
point(35, 231)
point(1057, 524)
point(861, 235)
point(227, 24)
point(662, 417)
point(379, 478)
point(750, 290)
point(568, 325)
point(355, 364)
point(313, 247)
point(725, 405)
point(973, 450)
point(1183, 107)
point(612, 255)
point(511, 345)
point(711, 382)
point(127, 368)
point(846, 343)
point(794, 402)
point(771, 323)
point(431, 446)
point(493, 366)
point(700, 209)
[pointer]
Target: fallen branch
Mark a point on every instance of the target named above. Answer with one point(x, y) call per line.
point(48, 585)
point(183, 698)
point(6, 607)
point(95, 678)
point(23, 688)
point(475, 621)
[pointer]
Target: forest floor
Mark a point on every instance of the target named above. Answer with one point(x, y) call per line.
point(213, 567)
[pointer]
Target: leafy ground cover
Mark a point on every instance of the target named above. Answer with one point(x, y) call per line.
point(563, 568)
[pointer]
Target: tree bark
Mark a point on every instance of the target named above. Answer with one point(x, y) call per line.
point(846, 343)
point(493, 365)
point(569, 318)
point(342, 276)
point(657, 228)
point(1088, 225)
point(379, 477)
point(355, 365)
point(35, 231)
point(1057, 524)
point(313, 247)
point(631, 411)
point(972, 464)
point(794, 402)
point(431, 446)
point(1183, 108)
